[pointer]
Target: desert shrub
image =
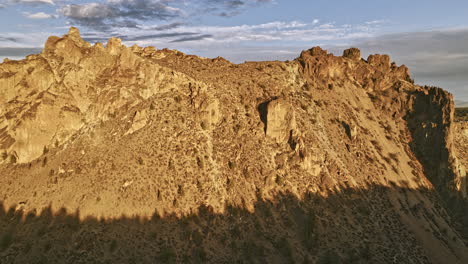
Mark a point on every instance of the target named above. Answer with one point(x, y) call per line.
point(113, 245)
point(6, 240)
point(376, 145)
point(203, 125)
point(198, 255)
point(330, 257)
point(13, 159)
point(167, 255)
point(394, 157)
point(232, 164)
point(200, 163)
point(285, 249)
point(27, 248)
point(41, 231)
point(387, 159)
point(310, 239)
point(236, 128)
point(197, 237)
point(252, 251)
point(363, 210)
point(47, 246)
point(365, 252)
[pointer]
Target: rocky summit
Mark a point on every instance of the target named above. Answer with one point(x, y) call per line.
point(115, 154)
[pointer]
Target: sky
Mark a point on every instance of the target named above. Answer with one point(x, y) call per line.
point(430, 37)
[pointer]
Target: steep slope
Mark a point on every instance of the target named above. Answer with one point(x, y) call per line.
point(117, 154)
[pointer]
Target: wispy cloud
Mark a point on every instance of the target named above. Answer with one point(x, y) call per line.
point(119, 13)
point(227, 8)
point(17, 53)
point(111, 14)
point(33, 2)
point(278, 32)
point(195, 38)
point(8, 39)
point(286, 33)
point(21, 40)
point(39, 15)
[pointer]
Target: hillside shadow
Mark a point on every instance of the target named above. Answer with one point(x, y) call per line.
point(429, 141)
point(429, 123)
point(347, 226)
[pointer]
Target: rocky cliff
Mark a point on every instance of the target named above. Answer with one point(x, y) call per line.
point(130, 154)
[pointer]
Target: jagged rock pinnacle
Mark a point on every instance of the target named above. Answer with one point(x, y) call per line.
point(74, 35)
point(114, 45)
point(317, 51)
point(352, 53)
point(73, 32)
point(378, 60)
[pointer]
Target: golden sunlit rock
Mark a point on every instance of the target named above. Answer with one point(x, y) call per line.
point(122, 154)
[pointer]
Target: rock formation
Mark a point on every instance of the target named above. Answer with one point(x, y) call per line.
point(129, 154)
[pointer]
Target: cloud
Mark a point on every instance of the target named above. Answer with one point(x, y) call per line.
point(33, 2)
point(437, 57)
point(195, 38)
point(167, 26)
point(276, 33)
point(9, 39)
point(119, 13)
point(97, 38)
point(292, 34)
point(17, 53)
point(111, 14)
point(93, 15)
point(21, 40)
point(158, 36)
point(40, 15)
point(228, 8)
point(282, 32)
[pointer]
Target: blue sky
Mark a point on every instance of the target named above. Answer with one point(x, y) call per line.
point(431, 37)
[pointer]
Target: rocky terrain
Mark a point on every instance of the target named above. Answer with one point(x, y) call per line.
point(114, 154)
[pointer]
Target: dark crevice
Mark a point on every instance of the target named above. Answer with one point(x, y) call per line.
point(263, 112)
point(292, 141)
point(347, 129)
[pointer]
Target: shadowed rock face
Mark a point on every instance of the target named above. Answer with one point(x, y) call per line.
point(123, 134)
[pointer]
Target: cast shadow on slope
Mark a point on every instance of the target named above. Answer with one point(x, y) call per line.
point(347, 226)
point(430, 123)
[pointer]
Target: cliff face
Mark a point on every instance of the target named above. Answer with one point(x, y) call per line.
point(47, 98)
point(319, 158)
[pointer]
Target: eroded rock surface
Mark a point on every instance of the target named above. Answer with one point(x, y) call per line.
point(179, 158)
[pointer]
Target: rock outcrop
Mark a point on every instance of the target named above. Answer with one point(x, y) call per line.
point(108, 149)
point(352, 53)
point(50, 97)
